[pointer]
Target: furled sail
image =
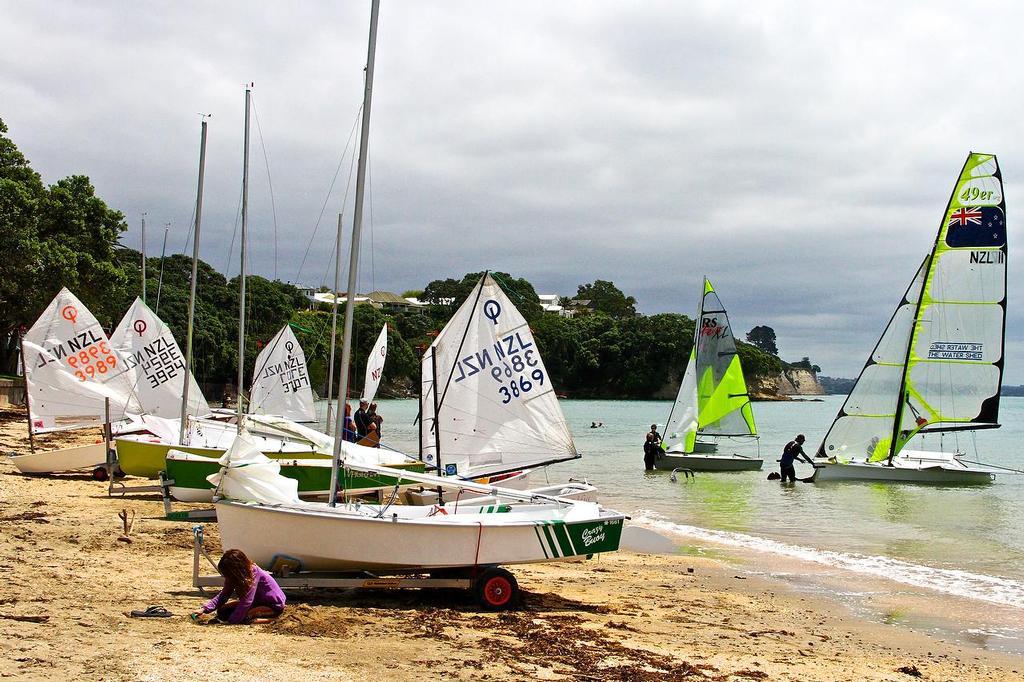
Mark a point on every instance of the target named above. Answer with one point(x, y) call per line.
point(938, 366)
point(280, 383)
point(375, 365)
point(713, 397)
point(71, 368)
point(149, 351)
point(496, 409)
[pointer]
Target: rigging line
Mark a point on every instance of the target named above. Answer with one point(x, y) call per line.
point(270, 183)
point(329, 191)
point(191, 226)
point(234, 231)
point(344, 204)
point(160, 281)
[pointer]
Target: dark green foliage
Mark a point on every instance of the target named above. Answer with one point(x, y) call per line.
point(607, 298)
point(764, 338)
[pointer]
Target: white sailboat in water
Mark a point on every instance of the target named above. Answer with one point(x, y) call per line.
point(712, 399)
point(937, 368)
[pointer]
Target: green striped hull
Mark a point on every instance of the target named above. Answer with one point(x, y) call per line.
point(559, 539)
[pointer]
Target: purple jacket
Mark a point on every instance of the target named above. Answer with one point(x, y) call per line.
point(264, 591)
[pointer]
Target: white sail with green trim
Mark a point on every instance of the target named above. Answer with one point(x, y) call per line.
point(938, 365)
point(712, 398)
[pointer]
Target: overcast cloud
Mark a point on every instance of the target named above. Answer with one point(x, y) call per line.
point(800, 154)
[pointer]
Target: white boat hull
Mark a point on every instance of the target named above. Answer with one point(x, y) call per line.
point(348, 538)
point(57, 461)
point(908, 467)
point(709, 462)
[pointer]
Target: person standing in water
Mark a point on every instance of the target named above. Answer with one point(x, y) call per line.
point(652, 447)
point(793, 450)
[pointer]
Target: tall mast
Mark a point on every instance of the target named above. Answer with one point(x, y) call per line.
point(334, 324)
point(241, 274)
point(192, 286)
point(357, 224)
point(143, 257)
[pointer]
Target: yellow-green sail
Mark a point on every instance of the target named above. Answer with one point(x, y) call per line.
point(712, 398)
point(938, 364)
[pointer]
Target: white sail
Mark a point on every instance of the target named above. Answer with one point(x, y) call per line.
point(280, 384)
point(497, 410)
point(938, 366)
point(71, 369)
point(247, 474)
point(682, 419)
point(148, 349)
point(375, 365)
point(866, 418)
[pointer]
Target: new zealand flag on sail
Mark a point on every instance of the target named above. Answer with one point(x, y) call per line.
point(975, 227)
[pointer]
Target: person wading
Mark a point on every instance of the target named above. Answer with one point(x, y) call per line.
point(793, 450)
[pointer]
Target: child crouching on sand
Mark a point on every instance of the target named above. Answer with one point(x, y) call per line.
point(258, 594)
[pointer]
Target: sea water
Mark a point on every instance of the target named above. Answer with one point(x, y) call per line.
point(874, 539)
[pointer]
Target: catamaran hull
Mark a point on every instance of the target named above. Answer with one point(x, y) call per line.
point(699, 462)
point(901, 474)
point(57, 461)
point(346, 542)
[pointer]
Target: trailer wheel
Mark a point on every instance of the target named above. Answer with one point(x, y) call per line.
point(99, 474)
point(496, 589)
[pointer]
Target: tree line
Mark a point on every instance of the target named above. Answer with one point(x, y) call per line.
point(65, 235)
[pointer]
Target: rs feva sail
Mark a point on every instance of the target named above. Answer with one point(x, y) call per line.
point(712, 397)
point(486, 400)
point(71, 368)
point(938, 365)
point(147, 348)
point(280, 384)
point(375, 365)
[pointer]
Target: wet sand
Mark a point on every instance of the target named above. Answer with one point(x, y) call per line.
point(66, 581)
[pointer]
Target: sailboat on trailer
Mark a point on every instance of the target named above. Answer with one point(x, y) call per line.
point(937, 368)
point(404, 538)
point(712, 399)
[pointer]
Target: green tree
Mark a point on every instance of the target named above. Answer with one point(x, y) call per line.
point(607, 298)
point(61, 235)
point(764, 338)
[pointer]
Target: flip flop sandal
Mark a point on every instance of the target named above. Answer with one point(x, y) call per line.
point(152, 612)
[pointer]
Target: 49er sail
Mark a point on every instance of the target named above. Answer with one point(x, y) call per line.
point(938, 365)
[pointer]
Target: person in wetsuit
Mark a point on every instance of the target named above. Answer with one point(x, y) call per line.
point(793, 450)
point(652, 447)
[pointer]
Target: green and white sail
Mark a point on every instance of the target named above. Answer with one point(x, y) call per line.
point(938, 365)
point(712, 398)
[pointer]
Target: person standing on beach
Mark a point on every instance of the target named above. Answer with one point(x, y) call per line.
point(793, 450)
point(258, 594)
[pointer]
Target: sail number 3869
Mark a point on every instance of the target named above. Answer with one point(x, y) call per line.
point(520, 385)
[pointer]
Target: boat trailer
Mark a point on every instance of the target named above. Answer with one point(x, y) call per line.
point(493, 587)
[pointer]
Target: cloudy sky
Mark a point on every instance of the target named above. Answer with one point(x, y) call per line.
point(798, 153)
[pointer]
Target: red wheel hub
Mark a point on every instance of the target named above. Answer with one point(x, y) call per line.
point(497, 591)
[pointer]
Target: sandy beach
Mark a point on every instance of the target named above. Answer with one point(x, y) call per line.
point(67, 582)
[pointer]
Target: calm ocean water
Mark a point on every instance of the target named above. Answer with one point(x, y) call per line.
point(966, 541)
